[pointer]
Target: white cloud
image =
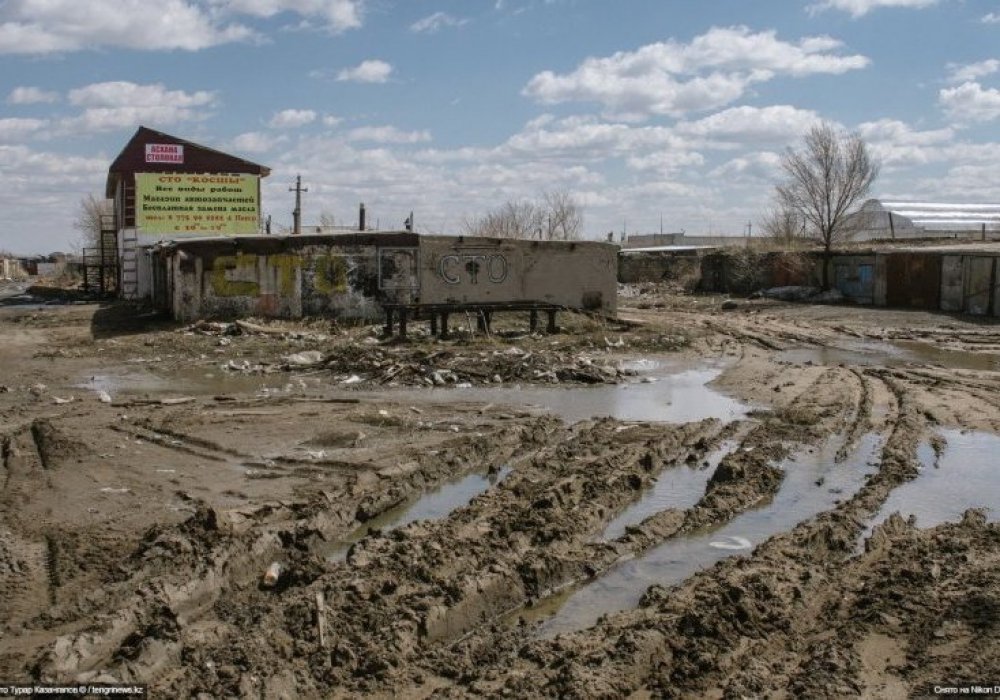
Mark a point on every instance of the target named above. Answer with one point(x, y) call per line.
point(991, 18)
point(336, 15)
point(48, 26)
point(371, 71)
point(859, 8)
point(435, 22)
point(53, 184)
point(292, 118)
point(121, 104)
point(777, 123)
point(256, 142)
point(713, 70)
point(331, 120)
point(970, 102)
point(31, 95)
point(963, 73)
point(758, 167)
point(666, 161)
point(387, 134)
point(898, 144)
point(13, 129)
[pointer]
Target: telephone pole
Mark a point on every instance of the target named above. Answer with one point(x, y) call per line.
point(297, 212)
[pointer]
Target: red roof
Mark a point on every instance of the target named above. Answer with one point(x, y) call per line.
point(197, 159)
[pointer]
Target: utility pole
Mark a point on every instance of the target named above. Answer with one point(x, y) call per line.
point(297, 212)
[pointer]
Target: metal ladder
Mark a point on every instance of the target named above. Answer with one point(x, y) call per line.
point(130, 264)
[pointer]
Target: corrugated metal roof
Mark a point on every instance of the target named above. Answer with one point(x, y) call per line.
point(945, 215)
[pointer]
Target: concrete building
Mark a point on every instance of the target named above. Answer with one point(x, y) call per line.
point(365, 275)
point(11, 268)
point(167, 188)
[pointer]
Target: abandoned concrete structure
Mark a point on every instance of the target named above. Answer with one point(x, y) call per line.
point(958, 278)
point(362, 276)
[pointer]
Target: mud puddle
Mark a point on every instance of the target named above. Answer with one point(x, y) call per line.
point(666, 391)
point(814, 482)
point(435, 504)
point(201, 381)
point(679, 487)
point(891, 354)
point(965, 475)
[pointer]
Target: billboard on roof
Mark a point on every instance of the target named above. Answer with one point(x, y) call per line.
point(176, 204)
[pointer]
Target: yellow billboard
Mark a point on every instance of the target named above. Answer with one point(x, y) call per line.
point(179, 203)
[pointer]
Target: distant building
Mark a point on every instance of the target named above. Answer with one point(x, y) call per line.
point(167, 188)
point(11, 268)
point(879, 220)
point(681, 240)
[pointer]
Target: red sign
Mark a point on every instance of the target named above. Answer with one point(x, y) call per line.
point(164, 153)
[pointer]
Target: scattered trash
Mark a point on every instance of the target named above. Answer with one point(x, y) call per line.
point(272, 575)
point(38, 389)
point(306, 358)
point(353, 379)
point(57, 400)
point(733, 543)
point(108, 489)
point(103, 396)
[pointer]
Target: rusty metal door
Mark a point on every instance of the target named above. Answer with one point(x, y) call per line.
point(913, 280)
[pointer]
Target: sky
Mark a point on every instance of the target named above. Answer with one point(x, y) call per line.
point(653, 114)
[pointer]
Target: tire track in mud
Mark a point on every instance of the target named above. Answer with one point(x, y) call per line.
point(429, 583)
point(485, 658)
point(416, 600)
point(179, 573)
point(710, 632)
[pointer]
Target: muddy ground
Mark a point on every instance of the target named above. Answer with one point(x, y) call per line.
point(152, 473)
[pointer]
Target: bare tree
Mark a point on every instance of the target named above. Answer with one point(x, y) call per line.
point(783, 226)
point(564, 216)
point(326, 219)
point(520, 219)
point(829, 176)
point(88, 220)
point(556, 217)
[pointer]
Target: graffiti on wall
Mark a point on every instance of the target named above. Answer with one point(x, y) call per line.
point(397, 268)
point(473, 267)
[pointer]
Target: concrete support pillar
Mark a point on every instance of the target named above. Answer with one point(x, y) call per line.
point(552, 321)
point(388, 322)
point(402, 323)
point(444, 325)
point(533, 320)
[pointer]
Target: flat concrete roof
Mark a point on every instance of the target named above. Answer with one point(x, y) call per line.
point(668, 249)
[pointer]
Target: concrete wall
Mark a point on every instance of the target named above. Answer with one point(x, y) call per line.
point(11, 269)
point(352, 276)
point(466, 270)
point(659, 267)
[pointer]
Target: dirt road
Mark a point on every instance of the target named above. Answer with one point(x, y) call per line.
point(438, 532)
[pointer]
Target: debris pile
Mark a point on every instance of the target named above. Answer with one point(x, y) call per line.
point(382, 365)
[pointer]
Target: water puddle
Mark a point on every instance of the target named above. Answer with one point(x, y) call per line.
point(814, 482)
point(678, 487)
point(668, 391)
point(198, 381)
point(891, 354)
point(965, 476)
point(435, 504)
